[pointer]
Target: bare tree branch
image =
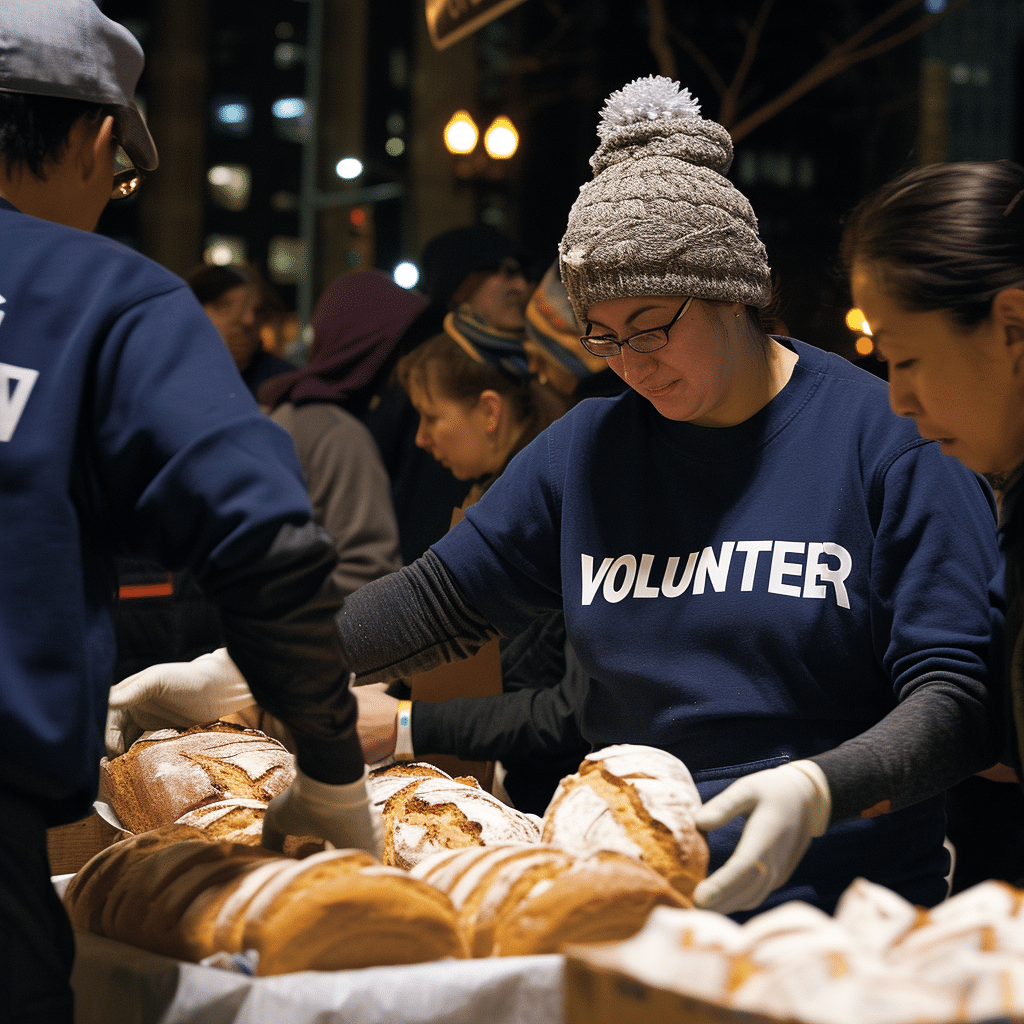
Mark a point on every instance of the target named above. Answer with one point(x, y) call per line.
point(700, 59)
point(841, 58)
point(657, 38)
point(731, 96)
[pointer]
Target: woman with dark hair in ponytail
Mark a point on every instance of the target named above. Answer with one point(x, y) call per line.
point(936, 264)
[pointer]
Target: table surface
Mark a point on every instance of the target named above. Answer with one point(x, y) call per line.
point(117, 982)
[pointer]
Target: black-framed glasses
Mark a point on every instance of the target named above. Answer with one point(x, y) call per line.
point(643, 341)
point(127, 177)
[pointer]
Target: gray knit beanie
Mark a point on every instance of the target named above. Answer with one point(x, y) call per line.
point(659, 217)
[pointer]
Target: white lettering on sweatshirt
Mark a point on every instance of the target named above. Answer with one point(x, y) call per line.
point(791, 568)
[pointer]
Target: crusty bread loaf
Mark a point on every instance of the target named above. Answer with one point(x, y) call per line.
point(235, 820)
point(485, 883)
point(169, 773)
point(86, 894)
point(433, 814)
point(333, 917)
point(173, 892)
point(383, 783)
point(635, 800)
point(522, 899)
point(603, 898)
point(241, 821)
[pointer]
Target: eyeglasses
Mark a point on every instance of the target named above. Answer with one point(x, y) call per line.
point(643, 341)
point(127, 177)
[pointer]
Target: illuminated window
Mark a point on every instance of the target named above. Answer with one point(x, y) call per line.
point(291, 118)
point(232, 115)
point(230, 185)
point(286, 259)
point(224, 249)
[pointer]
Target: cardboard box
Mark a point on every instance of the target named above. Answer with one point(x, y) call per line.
point(70, 846)
point(598, 993)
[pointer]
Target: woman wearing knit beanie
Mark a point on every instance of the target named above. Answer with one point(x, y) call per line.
point(762, 569)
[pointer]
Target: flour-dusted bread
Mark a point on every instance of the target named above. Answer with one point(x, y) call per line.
point(433, 814)
point(635, 800)
point(169, 773)
point(333, 916)
point(485, 883)
point(602, 898)
point(522, 899)
point(236, 820)
point(383, 783)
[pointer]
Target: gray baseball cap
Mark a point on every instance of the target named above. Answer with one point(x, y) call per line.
point(68, 48)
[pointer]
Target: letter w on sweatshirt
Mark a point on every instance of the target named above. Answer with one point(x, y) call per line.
point(16, 383)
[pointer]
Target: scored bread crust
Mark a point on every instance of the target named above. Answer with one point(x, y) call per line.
point(485, 883)
point(235, 820)
point(635, 800)
point(433, 814)
point(603, 898)
point(344, 918)
point(86, 894)
point(162, 777)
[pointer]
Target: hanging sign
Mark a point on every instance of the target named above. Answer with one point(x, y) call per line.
point(451, 20)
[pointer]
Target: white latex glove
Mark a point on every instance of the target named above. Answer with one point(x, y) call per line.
point(342, 815)
point(785, 808)
point(174, 695)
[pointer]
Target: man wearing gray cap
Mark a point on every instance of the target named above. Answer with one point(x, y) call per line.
point(126, 429)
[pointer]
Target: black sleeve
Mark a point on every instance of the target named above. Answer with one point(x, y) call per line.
point(937, 736)
point(278, 613)
point(409, 621)
point(537, 717)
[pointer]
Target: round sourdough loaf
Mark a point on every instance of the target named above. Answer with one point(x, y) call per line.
point(635, 800)
point(165, 775)
point(235, 820)
point(433, 814)
point(385, 782)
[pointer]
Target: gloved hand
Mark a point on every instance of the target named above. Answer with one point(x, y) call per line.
point(174, 695)
point(785, 807)
point(376, 725)
point(340, 814)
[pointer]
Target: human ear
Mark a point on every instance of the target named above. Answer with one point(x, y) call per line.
point(490, 404)
point(1008, 313)
point(89, 145)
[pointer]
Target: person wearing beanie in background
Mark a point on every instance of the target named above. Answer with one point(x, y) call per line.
point(553, 345)
point(763, 570)
point(479, 271)
point(124, 430)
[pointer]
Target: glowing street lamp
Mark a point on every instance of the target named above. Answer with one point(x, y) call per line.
point(501, 139)
point(856, 322)
point(461, 133)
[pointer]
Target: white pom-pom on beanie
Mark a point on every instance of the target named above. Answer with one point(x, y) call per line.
point(659, 216)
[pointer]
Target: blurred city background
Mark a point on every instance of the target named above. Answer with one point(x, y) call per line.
point(308, 136)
